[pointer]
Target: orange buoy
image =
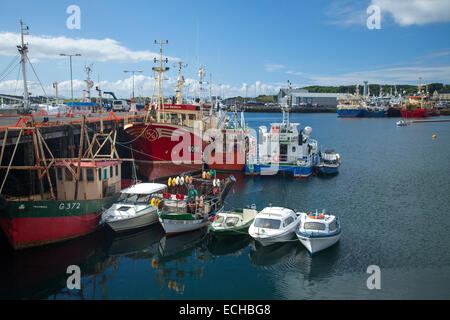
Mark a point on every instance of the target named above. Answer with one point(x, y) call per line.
point(434, 136)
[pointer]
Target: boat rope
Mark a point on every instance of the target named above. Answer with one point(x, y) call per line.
point(9, 66)
point(10, 161)
point(9, 71)
point(34, 71)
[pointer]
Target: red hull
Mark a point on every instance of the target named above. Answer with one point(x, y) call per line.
point(165, 150)
point(417, 113)
point(30, 232)
point(229, 161)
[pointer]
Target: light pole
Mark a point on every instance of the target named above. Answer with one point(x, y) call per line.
point(71, 81)
point(132, 71)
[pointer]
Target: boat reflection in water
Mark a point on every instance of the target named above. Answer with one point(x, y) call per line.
point(274, 256)
point(179, 256)
point(142, 244)
point(40, 273)
point(232, 246)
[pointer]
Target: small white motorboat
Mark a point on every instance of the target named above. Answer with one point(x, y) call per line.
point(274, 224)
point(136, 207)
point(318, 231)
point(402, 123)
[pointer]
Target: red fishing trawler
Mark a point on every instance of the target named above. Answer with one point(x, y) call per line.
point(419, 105)
point(170, 139)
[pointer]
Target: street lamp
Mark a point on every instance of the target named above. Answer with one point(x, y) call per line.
point(70, 58)
point(132, 71)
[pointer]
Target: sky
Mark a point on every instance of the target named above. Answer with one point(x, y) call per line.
point(247, 47)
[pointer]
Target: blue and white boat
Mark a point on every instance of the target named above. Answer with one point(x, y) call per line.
point(329, 162)
point(284, 149)
point(318, 231)
point(351, 105)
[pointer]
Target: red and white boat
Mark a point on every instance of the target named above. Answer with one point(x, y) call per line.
point(170, 139)
point(419, 105)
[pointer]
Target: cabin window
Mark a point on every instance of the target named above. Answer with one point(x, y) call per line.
point(59, 173)
point(105, 173)
point(293, 149)
point(183, 117)
point(81, 174)
point(90, 174)
point(267, 223)
point(219, 219)
point(68, 175)
point(333, 225)
point(318, 226)
point(117, 171)
point(111, 172)
point(191, 117)
point(99, 174)
point(288, 221)
point(143, 199)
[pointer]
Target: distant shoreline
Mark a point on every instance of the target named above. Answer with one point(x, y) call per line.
point(293, 110)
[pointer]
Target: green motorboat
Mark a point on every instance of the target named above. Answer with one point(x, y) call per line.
point(233, 222)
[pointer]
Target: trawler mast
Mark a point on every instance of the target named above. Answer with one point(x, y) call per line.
point(180, 83)
point(23, 50)
point(160, 70)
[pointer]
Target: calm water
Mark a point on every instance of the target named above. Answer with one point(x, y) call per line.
point(392, 195)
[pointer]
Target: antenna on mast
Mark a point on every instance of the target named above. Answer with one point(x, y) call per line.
point(23, 50)
point(180, 83)
point(160, 70)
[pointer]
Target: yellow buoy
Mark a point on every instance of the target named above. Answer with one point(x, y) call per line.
point(168, 183)
point(152, 202)
point(157, 202)
point(204, 175)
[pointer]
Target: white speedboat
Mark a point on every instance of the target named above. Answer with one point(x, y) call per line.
point(274, 224)
point(318, 231)
point(402, 123)
point(136, 207)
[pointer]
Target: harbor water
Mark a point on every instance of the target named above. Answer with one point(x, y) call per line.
point(392, 195)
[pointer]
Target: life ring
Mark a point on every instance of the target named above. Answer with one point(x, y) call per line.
point(316, 215)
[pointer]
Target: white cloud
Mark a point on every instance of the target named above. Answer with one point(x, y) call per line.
point(91, 49)
point(123, 88)
point(403, 12)
point(385, 76)
point(295, 73)
point(420, 12)
point(274, 67)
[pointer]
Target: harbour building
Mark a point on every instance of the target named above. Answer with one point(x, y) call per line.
point(304, 98)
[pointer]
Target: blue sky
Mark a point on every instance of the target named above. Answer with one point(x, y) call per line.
point(258, 44)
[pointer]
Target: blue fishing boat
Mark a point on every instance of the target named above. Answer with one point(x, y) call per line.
point(351, 105)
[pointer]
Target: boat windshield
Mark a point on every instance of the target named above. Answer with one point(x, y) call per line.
point(219, 219)
point(267, 223)
point(127, 198)
point(314, 226)
point(143, 199)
